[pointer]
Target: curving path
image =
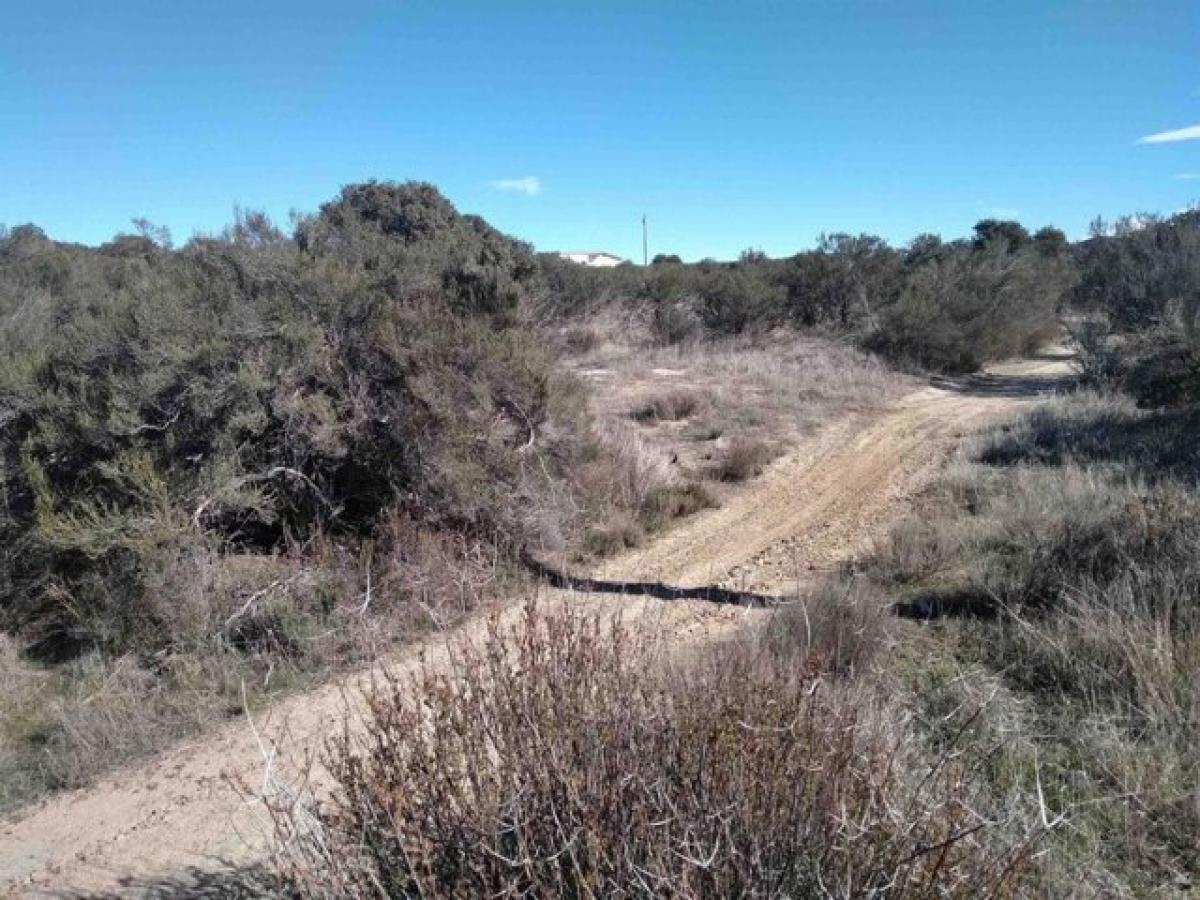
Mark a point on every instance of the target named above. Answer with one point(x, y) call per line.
point(810, 510)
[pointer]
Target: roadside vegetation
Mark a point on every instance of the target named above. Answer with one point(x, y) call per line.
point(1001, 696)
point(554, 762)
point(690, 421)
point(1059, 566)
point(229, 468)
point(232, 468)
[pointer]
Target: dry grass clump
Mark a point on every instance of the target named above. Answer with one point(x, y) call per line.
point(635, 490)
point(793, 381)
point(61, 728)
point(668, 406)
point(741, 459)
point(1101, 430)
point(639, 469)
point(774, 389)
point(239, 631)
point(841, 623)
point(802, 377)
point(677, 501)
point(554, 762)
point(712, 411)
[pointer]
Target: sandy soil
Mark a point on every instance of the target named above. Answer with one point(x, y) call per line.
point(811, 509)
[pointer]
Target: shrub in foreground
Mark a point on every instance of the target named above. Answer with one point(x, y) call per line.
point(553, 762)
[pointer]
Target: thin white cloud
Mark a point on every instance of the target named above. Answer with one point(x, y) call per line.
point(1191, 133)
point(1188, 176)
point(530, 185)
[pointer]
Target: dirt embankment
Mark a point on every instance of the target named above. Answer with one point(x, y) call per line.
point(811, 509)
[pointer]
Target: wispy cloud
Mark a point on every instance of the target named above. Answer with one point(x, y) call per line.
point(1188, 176)
point(1191, 133)
point(530, 185)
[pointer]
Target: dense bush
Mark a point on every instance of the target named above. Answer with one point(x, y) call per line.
point(844, 283)
point(1142, 271)
point(1139, 285)
point(253, 390)
point(960, 311)
point(1158, 366)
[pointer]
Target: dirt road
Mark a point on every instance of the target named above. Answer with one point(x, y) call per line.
point(811, 509)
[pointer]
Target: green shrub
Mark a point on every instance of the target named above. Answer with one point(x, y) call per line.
point(957, 312)
point(253, 390)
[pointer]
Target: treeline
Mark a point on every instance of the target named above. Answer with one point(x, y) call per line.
point(1139, 284)
point(945, 305)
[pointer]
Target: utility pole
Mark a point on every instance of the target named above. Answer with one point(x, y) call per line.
point(645, 245)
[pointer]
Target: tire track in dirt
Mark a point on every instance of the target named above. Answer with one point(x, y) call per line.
point(818, 505)
point(810, 510)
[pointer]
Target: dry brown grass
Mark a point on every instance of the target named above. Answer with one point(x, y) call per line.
point(635, 490)
point(842, 623)
point(640, 469)
point(245, 631)
point(783, 384)
point(1063, 572)
point(710, 413)
point(62, 728)
point(669, 406)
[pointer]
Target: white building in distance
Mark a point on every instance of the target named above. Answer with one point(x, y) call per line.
point(592, 258)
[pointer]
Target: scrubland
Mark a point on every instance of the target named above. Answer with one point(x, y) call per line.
point(1000, 699)
point(232, 469)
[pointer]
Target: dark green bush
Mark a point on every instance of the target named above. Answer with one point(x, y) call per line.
point(959, 311)
point(253, 390)
point(1142, 271)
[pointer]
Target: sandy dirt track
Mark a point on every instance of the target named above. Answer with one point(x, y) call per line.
point(810, 509)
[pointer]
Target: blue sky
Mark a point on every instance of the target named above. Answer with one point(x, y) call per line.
point(731, 125)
